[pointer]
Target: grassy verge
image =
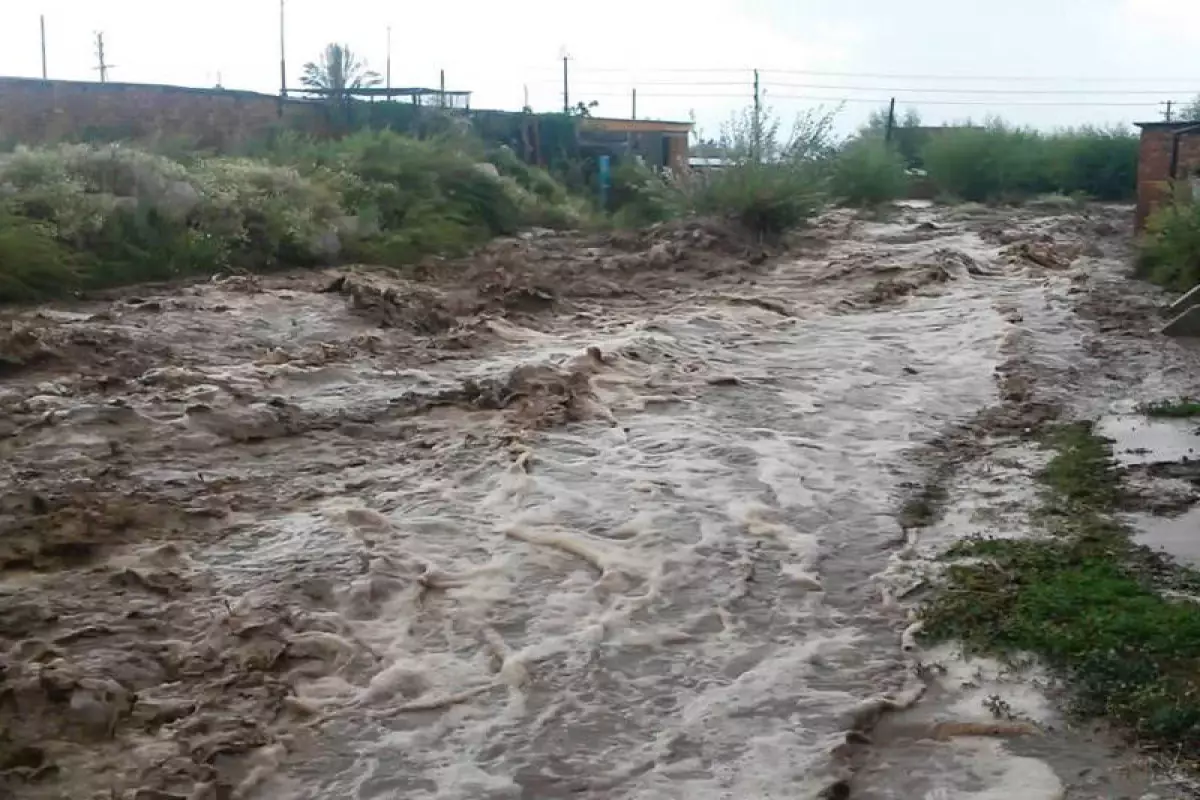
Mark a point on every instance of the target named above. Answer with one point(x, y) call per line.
point(1086, 600)
point(1183, 408)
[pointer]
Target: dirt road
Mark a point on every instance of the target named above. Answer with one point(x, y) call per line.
point(606, 518)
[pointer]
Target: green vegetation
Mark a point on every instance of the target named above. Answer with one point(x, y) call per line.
point(999, 162)
point(1191, 111)
point(86, 216)
point(1170, 249)
point(338, 72)
point(1183, 408)
point(868, 172)
point(33, 263)
point(1085, 600)
point(642, 197)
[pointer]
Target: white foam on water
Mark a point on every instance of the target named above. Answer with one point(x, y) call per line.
point(983, 769)
point(659, 593)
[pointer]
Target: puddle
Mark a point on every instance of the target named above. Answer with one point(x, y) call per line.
point(1178, 536)
point(1141, 440)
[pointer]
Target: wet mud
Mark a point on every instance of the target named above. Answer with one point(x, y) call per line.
point(608, 516)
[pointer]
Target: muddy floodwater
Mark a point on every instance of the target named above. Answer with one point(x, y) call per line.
point(578, 518)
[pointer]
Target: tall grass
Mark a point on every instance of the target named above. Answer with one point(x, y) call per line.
point(998, 162)
point(88, 216)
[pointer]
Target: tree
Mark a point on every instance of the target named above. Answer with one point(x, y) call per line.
point(338, 73)
point(907, 136)
point(876, 123)
point(582, 109)
point(1191, 111)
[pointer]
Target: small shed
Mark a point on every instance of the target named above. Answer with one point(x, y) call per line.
point(660, 143)
point(1169, 152)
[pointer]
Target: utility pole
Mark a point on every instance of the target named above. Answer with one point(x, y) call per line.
point(282, 50)
point(757, 127)
point(442, 86)
point(566, 87)
point(526, 107)
point(44, 73)
point(634, 116)
point(891, 121)
point(389, 62)
point(103, 66)
point(1168, 115)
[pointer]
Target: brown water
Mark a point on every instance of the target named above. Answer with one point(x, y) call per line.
point(668, 571)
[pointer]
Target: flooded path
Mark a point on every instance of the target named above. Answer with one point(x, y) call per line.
point(627, 535)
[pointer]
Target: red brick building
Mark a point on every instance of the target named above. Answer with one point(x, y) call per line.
point(1170, 151)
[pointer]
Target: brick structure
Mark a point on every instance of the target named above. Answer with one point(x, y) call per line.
point(37, 111)
point(1164, 143)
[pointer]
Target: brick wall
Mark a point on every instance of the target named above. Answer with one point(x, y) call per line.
point(35, 111)
point(1154, 167)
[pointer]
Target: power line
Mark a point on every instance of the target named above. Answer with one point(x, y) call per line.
point(896, 75)
point(1002, 103)
point(942, 90)
point(904, 90)
point(960, 77)
point(877, 101)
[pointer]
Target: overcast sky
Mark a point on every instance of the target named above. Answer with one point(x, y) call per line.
point(1081, 60)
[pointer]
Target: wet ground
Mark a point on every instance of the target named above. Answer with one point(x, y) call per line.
point(606, 518)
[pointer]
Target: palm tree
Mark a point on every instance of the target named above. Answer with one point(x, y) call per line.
point(338, 73)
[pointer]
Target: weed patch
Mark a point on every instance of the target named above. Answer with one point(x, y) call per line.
point(1086, 600)
point(1183, 408)
point(1169, 252)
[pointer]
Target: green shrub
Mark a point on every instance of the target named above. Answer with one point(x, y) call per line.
point(88, 216)
point(640, 197)
point(1170, 249)
point(867, 172)
point(774, 182)
point(767, 199)
point(1098, 162)
point(34, 265)
point(999, 162)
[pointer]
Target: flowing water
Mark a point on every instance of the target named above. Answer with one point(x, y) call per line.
point(679, 593)
point(681, 606)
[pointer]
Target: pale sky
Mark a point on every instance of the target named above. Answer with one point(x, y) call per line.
point(1041, 62)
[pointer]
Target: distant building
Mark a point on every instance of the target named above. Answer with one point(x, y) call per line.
point(659, 143)
point(1169, 153)
point(707, 162)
